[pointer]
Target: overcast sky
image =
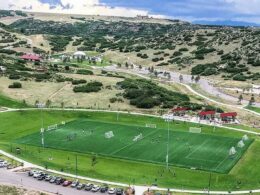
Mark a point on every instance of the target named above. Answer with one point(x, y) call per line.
point(190, 10)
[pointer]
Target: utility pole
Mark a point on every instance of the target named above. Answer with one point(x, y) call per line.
point(76, 166)
point(168, 140)
point(41, 106)
point(209, 183)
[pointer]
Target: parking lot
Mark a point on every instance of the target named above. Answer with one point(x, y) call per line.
point(53, 184)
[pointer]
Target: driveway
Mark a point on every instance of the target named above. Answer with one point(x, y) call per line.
point(22, 180)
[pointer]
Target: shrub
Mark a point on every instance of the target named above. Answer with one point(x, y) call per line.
point(90, 87)
point(84, 72)
point(15, 85)
point(77, 82)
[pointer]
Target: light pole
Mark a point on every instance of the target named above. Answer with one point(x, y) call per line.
point(41, 106)
point(168, 140)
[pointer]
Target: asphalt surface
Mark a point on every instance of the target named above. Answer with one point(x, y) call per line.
point(21, 179)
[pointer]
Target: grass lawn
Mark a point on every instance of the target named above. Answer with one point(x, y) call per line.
point(190, 150)
point(256, 109)
point(7, 102)
point(17, 125)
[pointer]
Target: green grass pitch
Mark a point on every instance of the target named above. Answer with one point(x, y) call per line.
point(189, 150)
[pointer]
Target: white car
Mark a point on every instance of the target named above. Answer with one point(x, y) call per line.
point(112, 191)
point(95, 188)
point(37, 174)
point(3, 164)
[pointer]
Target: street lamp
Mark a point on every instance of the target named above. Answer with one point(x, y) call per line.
point(41, 106)
point(168, 119)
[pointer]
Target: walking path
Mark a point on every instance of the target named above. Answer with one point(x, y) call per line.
point(138, 189)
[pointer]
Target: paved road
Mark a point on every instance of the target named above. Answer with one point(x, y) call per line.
point(22, 180)
point(204, 84)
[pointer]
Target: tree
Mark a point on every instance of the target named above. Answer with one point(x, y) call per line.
point(140, 67)
point(192, 78)
point(155, 73)
point(240, 98)
point(197, 78)
point(48, 103)
point(169, 76)
point(94, 160)
point(36, 103)
point(126, 65)
point(62, 104)
point(251, 101)
point(181, 78)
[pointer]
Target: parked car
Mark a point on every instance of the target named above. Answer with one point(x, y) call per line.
point(119, 191)
point(3, 164)
point(104, 189)
point(41, 177)
point(66, 183)
point(112, 191)
point(53, 179)
point(81, 186)
point(37, 174)
point(32, 172)
point(75, 184)
point(59, 181)
point(89, 186)
point(95, 188)
point(48, 178)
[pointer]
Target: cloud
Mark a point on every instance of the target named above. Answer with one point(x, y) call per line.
point(88, 7)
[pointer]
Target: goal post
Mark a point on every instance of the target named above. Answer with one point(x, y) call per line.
point(195, 130)
point(109, 134)
point(52, 127)
point(149, 125)
point(232, 151)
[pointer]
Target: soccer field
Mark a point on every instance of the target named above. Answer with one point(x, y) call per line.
point(189, 150)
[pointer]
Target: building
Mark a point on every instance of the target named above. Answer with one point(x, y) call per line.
point(179, 111)
point(79, 55)
point(207, 115)
point(228, 117)
point(31, 57)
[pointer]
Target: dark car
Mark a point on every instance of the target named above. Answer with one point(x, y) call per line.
point(119, 191)
point(59, 181)
point(41, 177)
point(81, 186)
point(75, 184)
point(66, 183)
point(89, 186)
point(53, 179)
point(104, 189)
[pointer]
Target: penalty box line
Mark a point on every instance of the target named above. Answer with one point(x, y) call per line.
point(148, 135)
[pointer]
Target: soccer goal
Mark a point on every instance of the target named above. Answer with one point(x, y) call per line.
point(195, 130)
point(245, 138)
point(240, 144)
point(109, 134)
point(150, 125)
point(232, 151)
point(52, 127)
point(138, 137)
point(63, 123)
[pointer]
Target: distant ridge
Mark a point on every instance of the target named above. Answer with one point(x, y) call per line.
point(225, 23)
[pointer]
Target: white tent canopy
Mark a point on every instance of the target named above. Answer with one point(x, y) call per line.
point(79, 54)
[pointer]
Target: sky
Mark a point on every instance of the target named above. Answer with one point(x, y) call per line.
point(188, 10)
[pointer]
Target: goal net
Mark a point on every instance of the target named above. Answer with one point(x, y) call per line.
point(138, 137)
point(109, 134)
point(52, 127)
point(195, 130)
point(240, 144)
point(232, 151)
point(150, 125)
point(245, 138)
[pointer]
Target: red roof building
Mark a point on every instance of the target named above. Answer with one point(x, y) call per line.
point(31, 57)
point(207, 115)
point(229, 116)
point(179, 109)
